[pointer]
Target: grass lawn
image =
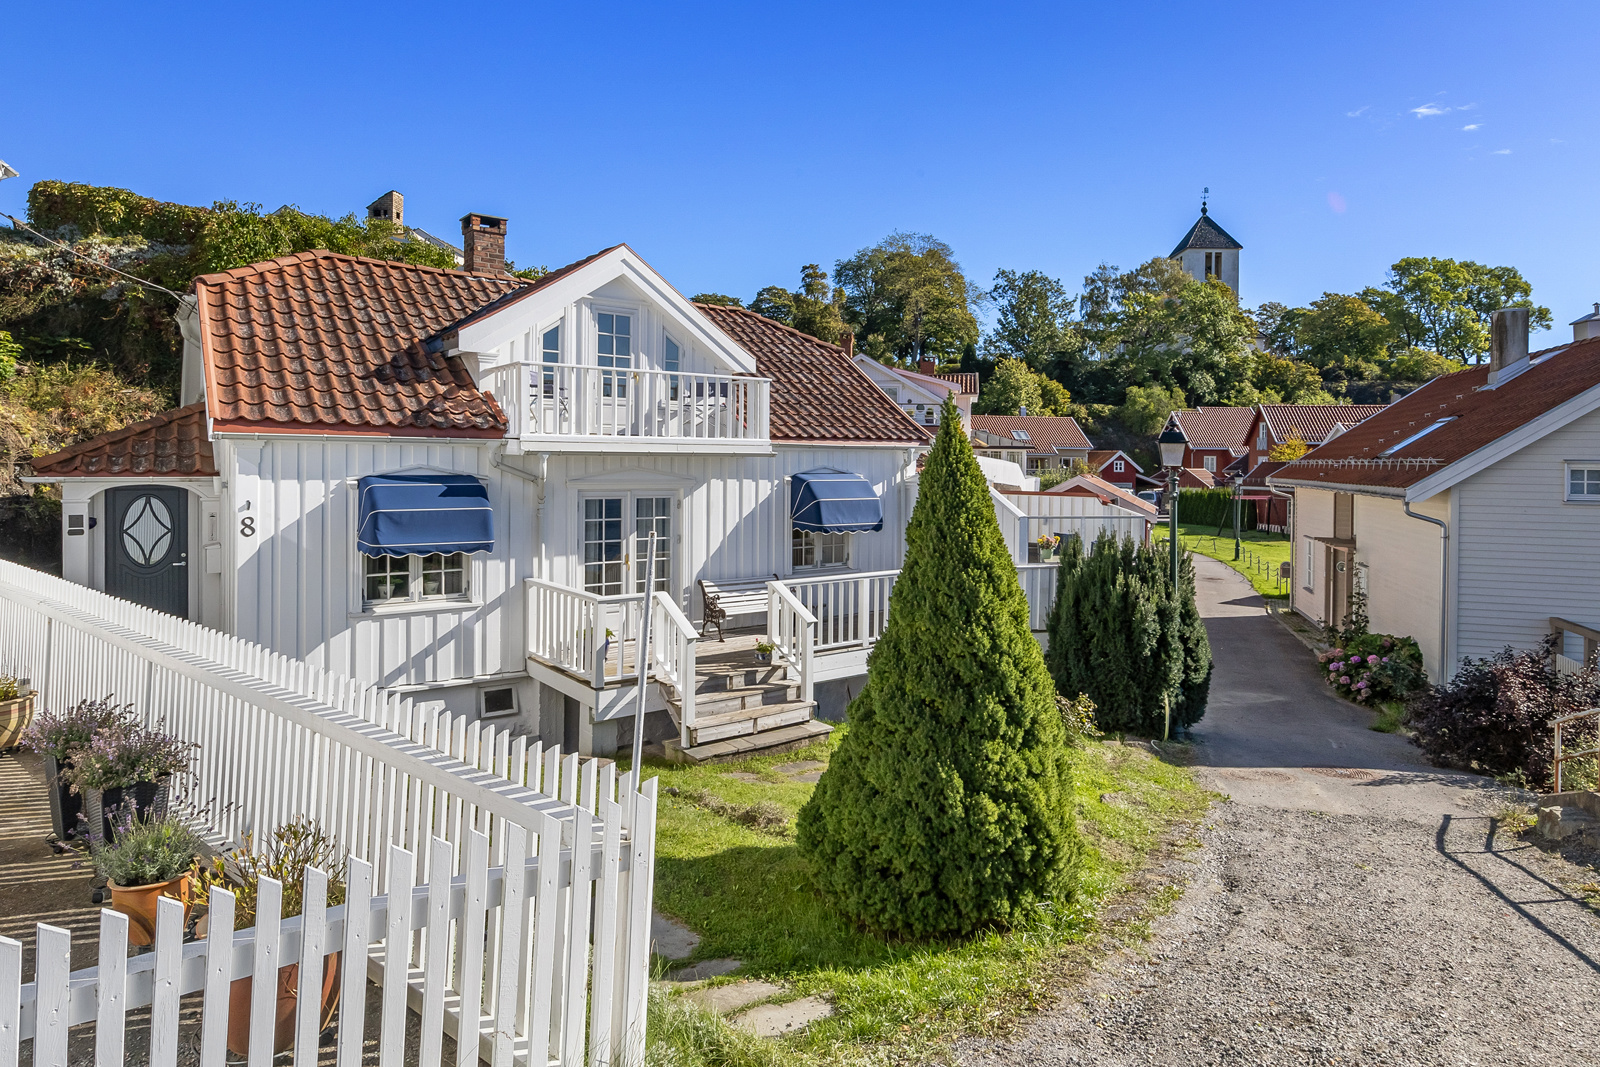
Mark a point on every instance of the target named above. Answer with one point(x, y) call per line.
point(727, 866)
point(1262, 553)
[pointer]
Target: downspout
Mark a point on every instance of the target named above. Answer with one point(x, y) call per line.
point(1444, 580)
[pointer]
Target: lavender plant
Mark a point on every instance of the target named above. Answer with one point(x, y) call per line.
point(62, 735)
point(146, 853)
point(125, 752)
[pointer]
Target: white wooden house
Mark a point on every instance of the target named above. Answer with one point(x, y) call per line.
point(443, 483)
point(1465, 510)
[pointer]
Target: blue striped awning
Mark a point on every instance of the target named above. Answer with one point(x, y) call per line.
point(830, 501)
point(403, 514)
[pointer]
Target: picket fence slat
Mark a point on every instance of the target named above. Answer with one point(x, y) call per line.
point(264, 979)
point(469, 950)
point(396, 958)
point(111, 989)
point(164, 996)
point(353, 995)
point(218, 980)
point(53, 961)
point(313, 942)
point(437, 955)
point(11, 1001)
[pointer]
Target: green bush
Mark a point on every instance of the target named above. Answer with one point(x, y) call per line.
point(1214, 507)
point(145, 853)
point(948, 804)
point(1119, 636)
point(101, 209)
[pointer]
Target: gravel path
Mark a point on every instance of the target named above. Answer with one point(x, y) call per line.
point(1350, 904)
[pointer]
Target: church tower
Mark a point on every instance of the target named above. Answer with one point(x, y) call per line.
point(1207, 251)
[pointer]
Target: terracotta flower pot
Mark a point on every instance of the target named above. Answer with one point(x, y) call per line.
point(138, 903)
point(15, 717)
point(287, 1002)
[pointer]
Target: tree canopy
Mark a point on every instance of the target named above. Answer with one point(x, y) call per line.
point(907, 300)
point(1014, 389)
point(1033, 319)
point(812, 309)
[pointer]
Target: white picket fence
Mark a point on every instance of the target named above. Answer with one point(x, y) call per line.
point(280, 738)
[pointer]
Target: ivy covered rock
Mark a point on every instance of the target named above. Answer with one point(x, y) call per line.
point(1119, 636)
point(948, 805)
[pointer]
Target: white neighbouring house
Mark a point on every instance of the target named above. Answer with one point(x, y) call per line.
point(1466, 510)
point(921, 393)
point(442, 483)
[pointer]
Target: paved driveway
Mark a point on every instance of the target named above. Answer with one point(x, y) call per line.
point(1350, 903)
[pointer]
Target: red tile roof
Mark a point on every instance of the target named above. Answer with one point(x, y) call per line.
point(171, 444)
point(1478, 417)
point(1216, 427)
point(339, 342)
point(1312, 423)
point(1108, 493)
point(966, 381)
point(1046, 433)
point(1099, 457)
point(1257, 478)
point(818, 393)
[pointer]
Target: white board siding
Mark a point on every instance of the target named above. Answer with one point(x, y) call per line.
point(297, 581)
point(1402, 567)
point(1313, 517)
point(1525, 553)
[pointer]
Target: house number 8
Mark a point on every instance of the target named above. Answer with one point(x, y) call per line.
point(247, 526)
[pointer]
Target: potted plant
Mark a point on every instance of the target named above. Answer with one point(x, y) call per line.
point(764, 651)
point(58, 737)
point(292, 848)
point(16, 710)
point(1047, 547)
point(149, 860)
point(125, 765)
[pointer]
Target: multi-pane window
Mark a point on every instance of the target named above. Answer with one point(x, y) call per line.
point(670, 358)
point(436, 575)
point(602, 546)
point(1118, 466)
point(652, 514)
point(1583, 483)
point(615, 350)
point(550, 352)
point(812, 549)
point(1210, 463)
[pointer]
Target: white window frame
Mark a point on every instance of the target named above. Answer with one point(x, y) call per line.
point(1209, 463)
point(1310, 583)
point(483, 696)
point(1118, 466)
point(630, 545)
point(812, 568)
point(357, 606)
point(1566, 481)
point(416, 596)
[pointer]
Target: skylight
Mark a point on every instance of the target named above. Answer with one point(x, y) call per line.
point(1392, 449)
point(1020, 435)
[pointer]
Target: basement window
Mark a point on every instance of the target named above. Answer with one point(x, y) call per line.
point(498, 703)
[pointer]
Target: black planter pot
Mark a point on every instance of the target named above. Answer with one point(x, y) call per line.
point(108, 806)
point(65, 805)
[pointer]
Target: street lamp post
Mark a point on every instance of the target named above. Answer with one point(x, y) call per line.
point(1172, 444)
point(1238, 485)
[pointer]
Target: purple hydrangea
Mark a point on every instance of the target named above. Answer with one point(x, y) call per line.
point(1334, 666)
point(1361, 684)
point(1344, 679)
point(1372, 659)
point(1385, 659)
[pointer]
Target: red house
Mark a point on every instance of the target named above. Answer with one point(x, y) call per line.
point(1217, 436)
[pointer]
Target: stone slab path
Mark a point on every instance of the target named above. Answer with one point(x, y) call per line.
point(1350, 904)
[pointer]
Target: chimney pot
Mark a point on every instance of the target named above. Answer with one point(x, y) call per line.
point(390, 207)
point(483, 243)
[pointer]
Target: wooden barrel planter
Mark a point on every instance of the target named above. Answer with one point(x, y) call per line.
point(15, 716)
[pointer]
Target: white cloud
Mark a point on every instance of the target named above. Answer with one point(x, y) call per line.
point(1501, 152)
point(1357, 112)
point(1466, 107)
point(1471, 126)
point(1428, 111)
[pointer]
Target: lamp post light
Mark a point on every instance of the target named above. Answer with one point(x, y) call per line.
point(1172, 444)
point(1238, 485)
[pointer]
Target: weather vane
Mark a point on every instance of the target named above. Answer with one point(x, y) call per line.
point(1205, 194)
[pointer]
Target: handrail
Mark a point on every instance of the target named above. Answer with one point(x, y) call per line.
point(555, 611)
point(1562, 756)
point(792, 630)
point(674, 656)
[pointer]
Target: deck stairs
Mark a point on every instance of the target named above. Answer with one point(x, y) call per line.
point(743, 707)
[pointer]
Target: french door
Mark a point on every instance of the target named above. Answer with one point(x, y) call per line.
point(616, 536)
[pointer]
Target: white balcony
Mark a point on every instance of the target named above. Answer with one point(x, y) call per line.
point(585, 408)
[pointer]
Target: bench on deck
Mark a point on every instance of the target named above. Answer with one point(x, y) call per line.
point(743, 596)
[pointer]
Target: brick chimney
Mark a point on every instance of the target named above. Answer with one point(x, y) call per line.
point(390, 207)
point(1508, 345)
point(847, 341)
point(483, 244)
point(928, 367)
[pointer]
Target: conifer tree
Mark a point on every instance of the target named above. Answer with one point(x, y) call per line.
point(948, 805)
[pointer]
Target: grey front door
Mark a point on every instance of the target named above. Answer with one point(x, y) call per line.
point(147, 547)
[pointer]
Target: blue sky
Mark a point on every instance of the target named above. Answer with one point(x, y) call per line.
point(730, 144)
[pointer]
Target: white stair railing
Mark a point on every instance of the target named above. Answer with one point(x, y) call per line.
point(672, 652)
point(588, 635)
point(791, 629)
point(850, 609)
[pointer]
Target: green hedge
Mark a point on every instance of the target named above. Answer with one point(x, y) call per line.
point(1214, 507)
point(99, 209)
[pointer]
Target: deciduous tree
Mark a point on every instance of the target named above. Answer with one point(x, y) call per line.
point(907, 300)
point(1032, 319)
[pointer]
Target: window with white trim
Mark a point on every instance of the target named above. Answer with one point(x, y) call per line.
point(1311, 577)
point(812, 550)
point(1261, 435)
point(1583, 482)
point(1118, 466)
point(614, 349)
point(550, 353)
point(1210, 463)
point(671, 358)
point(403, 579)
point(497, 703)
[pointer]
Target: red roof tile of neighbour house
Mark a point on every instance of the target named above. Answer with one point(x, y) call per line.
point(1043, 434)
point(171, 444)
point(1312, 423)
point(1446, 421)
point(1257, 478)
point(1216, 427)
point(818, 393)
point(965, 382)
point(1196, 478)
point(1108, 493)
point(1099, 457)
point(339, 343)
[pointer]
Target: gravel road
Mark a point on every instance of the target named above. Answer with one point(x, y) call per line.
point(1350, 904)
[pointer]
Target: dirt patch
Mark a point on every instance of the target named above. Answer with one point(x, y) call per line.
point(765, 815)
point(1349, 774)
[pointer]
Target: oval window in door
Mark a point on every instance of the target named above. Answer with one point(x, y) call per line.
point(146, 530)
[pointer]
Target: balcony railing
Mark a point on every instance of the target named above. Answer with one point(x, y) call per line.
point(562, 401)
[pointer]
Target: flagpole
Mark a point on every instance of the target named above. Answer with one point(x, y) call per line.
point(642, 652)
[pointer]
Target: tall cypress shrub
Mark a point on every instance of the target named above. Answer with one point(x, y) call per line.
point(948, 805)
point(1118, 635)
